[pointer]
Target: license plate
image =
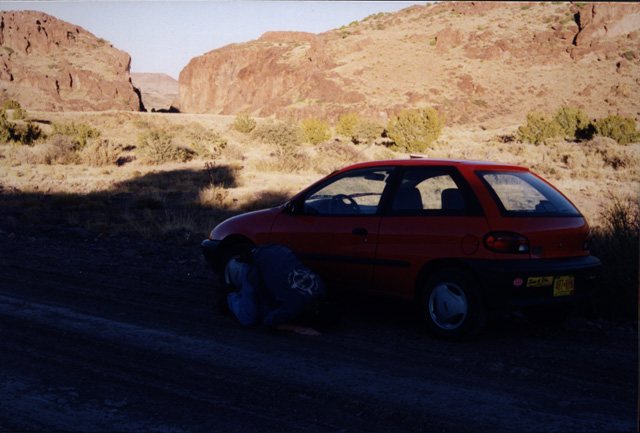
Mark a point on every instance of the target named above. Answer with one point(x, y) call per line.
point(564, 286)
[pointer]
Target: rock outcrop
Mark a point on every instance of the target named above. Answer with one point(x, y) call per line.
point(49, 64)
point(263, 76)
point(475, 61)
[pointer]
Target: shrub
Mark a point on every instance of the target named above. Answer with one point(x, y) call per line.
point(157, 147)
point(347, 125)
point(539, 128)
point(7, 129)
point(358, 129)
point(621, 129)
point(80, 133)
point(203, 141)
point(415, 130)
point(616, 245)
point(19, 114)
point(10, 104)
point(315, 131)
point(573, 122)
point(101, 153)
point(244, 123)
point(279, 133)
point(27, 134)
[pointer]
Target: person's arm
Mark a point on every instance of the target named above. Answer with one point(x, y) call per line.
point(297, 329)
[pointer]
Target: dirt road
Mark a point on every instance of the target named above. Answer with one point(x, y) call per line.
point(115, 334)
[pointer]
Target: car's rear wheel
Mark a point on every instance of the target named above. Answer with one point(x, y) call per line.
point(451, 305)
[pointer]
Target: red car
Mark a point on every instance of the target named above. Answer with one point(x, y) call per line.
point(457, 237)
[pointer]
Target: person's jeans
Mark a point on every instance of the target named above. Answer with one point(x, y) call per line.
point(244, 304)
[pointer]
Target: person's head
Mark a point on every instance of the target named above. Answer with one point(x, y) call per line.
point(322, 314)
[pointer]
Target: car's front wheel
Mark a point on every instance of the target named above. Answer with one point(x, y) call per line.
point(451, 305)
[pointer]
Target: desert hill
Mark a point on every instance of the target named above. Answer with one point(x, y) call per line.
point(479, 62)
point(159, 91)
point(51, 65)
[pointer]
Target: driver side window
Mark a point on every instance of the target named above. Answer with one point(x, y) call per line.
point(354, 193)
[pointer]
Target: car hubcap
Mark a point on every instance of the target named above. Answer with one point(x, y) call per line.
point(448, 306)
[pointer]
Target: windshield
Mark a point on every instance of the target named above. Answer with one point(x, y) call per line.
point(524, 194)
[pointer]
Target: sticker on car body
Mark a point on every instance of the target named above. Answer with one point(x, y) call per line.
point(539, 281)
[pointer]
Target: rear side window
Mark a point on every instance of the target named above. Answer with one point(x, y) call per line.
point(524, 194)
point(433, 191)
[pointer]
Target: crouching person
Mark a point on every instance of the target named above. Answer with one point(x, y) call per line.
point(279, 292)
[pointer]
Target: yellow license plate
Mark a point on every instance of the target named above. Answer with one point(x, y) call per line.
point(564, 286)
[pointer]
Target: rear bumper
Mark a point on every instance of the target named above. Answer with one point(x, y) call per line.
point(508, 283)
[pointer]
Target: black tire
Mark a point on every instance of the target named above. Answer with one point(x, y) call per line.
point(451, 305)
point(234, 251)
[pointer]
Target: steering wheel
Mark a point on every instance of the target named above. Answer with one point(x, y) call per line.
point(341, 203)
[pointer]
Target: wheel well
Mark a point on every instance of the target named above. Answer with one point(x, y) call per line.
point(437, 265)
point(234, 240)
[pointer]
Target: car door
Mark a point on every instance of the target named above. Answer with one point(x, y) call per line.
point(432, 214)
point(333, 227)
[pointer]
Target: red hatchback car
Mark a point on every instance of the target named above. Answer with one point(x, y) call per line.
point(457, 237)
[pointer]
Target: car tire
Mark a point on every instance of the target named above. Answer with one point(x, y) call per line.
point(451, 305)
point(232, 252)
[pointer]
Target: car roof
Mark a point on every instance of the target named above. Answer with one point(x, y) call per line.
point(422, 161)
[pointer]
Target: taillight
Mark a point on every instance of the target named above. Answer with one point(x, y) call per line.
point(587, 241)
point(506, 242)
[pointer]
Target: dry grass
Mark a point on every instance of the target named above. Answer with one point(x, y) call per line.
point(245, 174)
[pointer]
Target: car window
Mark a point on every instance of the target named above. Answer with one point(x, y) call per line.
point(524, 194)
point(428, 189)
point(356, 192)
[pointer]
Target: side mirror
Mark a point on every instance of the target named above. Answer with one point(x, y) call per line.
point(293, 208)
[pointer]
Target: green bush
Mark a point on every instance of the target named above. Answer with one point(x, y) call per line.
point(244, 123)
point(573, 122)
point(347, 125)
point(19, 114)
point(279, 133)
point(315, 131)
point(621, 129)
point(28, 133)
point(205, 142)
point(358, 129)
point(10, 104)
point(24, 133)
point(415, 130)
point(157, 147)
point(80, 133)
point(539, 128)
point(7, 129)
point(616, 245)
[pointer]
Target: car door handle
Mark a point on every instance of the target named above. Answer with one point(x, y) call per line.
point(360, 231)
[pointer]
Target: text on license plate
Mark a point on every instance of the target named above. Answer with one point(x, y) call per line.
point(564, 286)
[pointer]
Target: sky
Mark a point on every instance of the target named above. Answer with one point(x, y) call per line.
point(163, 36)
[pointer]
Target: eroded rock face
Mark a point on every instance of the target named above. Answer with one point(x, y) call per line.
point(606, 20)
point(263, 76)
point(49, 64)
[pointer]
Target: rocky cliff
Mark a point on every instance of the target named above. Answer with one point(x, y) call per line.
point(49, 64)
point(475, 61)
